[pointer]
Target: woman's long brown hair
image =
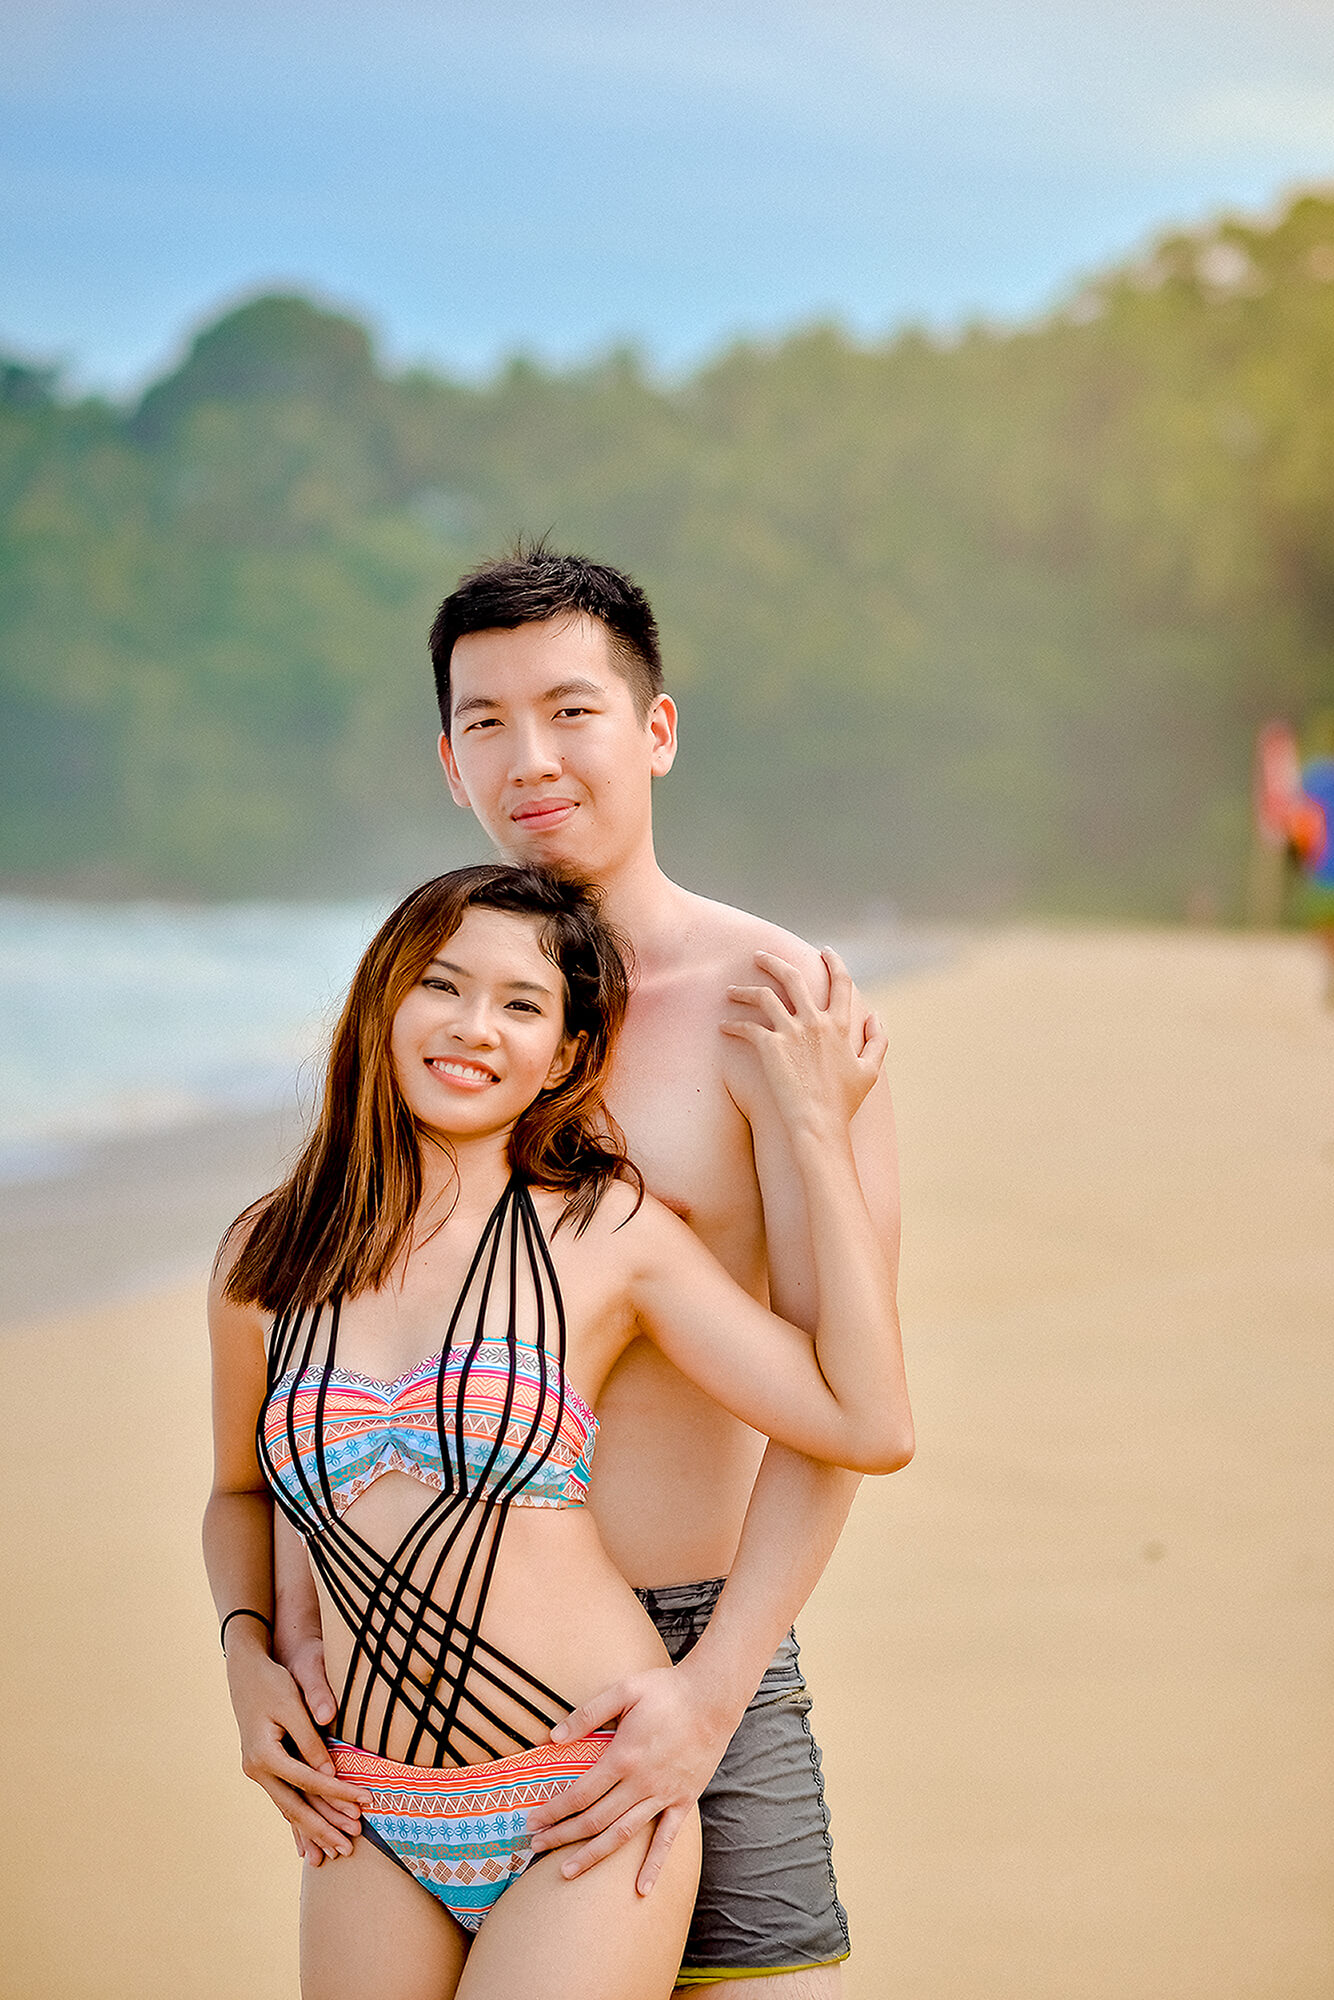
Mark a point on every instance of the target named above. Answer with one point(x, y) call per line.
point(342, 1216)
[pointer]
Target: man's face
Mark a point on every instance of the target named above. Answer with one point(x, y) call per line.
point(546, 748)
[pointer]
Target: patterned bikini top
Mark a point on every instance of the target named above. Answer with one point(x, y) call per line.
point(489, 1423)
point(441, 1423)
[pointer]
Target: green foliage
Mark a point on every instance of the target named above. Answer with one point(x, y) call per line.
point(984, 624)
point(276, 348)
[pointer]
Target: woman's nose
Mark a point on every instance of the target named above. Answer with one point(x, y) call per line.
point(476, 1025)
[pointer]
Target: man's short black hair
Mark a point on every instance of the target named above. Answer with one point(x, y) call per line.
point(534, 583)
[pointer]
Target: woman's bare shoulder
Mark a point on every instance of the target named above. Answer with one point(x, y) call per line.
point(628, 1223)
point(234, 1240)
point(637, 1229)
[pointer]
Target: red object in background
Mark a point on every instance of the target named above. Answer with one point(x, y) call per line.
point(1308, 832)
point(1279, 799)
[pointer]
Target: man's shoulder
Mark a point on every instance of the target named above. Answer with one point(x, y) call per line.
point(737, 935)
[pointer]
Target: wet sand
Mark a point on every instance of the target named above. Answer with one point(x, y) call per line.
point(1072, 1667)
point(133, 1216)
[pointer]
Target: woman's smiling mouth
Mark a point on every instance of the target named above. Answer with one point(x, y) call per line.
point(456, 1070)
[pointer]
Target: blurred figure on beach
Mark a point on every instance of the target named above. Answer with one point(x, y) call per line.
point(1293, 866)
point(1314, 842)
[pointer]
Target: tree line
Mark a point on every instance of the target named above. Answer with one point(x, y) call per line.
point(974, 624)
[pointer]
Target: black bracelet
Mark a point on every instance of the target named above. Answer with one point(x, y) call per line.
point(241, 1612)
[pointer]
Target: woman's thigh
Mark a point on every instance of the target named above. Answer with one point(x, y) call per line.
point(591, 1939)
point(370, 1932)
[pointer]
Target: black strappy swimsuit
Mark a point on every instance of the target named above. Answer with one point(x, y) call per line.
point(488, 1423)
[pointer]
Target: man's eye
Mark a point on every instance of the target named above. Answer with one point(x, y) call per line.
point(572, 711)
point(482, 722)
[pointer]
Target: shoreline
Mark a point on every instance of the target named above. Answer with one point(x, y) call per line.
point(143, 1211)
point(134, 1215)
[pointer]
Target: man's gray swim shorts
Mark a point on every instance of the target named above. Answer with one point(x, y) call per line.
point(768, 1901)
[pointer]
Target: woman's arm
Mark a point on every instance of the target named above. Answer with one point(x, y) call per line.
point(238, 1554)
point(846, 1400)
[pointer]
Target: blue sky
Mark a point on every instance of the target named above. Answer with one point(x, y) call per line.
point(476, 180)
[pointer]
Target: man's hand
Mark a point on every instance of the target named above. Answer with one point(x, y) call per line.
point(304, 1661)
point(323, 1812)
point(667, 1746)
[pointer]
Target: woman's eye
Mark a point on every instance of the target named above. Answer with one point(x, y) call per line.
point(440, 985)
point(524, 1007)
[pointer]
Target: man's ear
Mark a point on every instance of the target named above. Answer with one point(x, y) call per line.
point(662, 727)
point(452, 778)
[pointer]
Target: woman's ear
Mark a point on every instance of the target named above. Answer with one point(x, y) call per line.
point(564, 1060)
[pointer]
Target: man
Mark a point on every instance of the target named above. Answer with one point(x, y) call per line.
point(554, 727)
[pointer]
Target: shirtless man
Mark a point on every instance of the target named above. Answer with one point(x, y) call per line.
point(555, 725)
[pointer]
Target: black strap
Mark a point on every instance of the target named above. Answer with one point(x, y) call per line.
point(415, 1654)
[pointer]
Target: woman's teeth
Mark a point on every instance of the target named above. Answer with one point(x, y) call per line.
point(470, 1072)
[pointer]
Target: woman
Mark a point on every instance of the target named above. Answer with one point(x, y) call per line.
point(464, 1198)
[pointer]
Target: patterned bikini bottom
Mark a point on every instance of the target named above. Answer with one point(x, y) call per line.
point(461, 1830)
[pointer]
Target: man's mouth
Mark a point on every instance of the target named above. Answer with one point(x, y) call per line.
point(454, 1069)
point(535, 814)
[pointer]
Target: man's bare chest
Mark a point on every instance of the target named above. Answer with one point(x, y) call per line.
point(683, 1131)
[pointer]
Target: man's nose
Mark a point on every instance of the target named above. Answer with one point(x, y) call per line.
point(533, 757)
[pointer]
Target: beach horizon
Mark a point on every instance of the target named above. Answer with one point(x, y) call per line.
point(136, 1210)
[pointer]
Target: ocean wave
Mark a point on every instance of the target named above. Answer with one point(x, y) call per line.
point(120, 1018)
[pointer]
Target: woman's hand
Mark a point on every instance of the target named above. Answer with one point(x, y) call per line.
point(323, 1812)
point(817, 1061)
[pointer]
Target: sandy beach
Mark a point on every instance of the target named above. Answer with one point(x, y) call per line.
point(1072, 1667)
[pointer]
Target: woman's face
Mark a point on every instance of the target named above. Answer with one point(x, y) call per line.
point(483, 1030)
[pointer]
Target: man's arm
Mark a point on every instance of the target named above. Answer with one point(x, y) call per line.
point(676, 1722)
point(797, 1507)
point(298, 1645)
